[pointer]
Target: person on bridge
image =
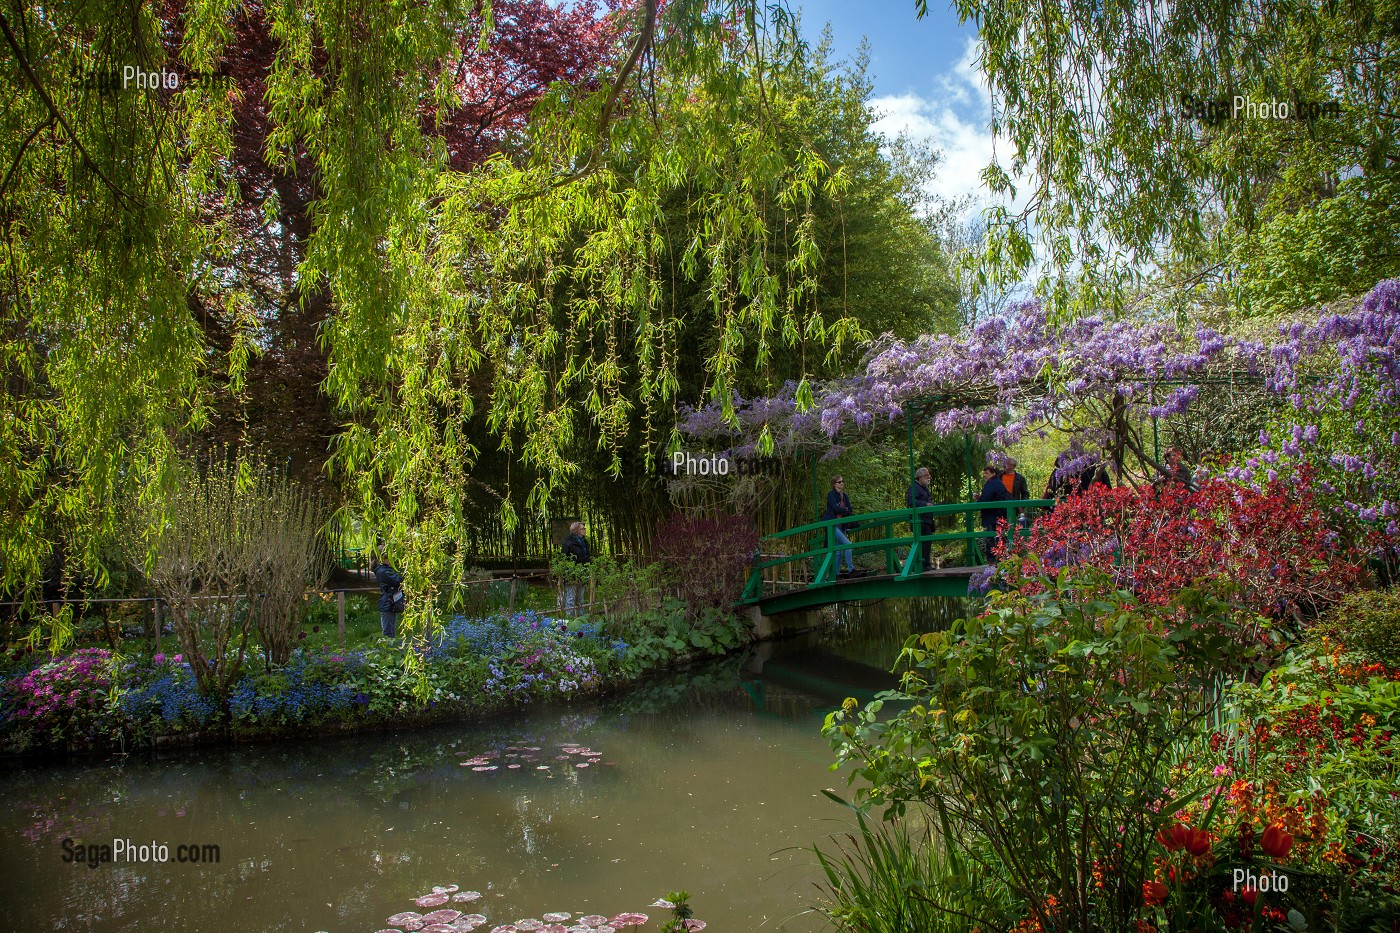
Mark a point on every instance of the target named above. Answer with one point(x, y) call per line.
point(838, 505)
point(1016, 487)
point(917, 497)
point(576, 547)
point(993, 490)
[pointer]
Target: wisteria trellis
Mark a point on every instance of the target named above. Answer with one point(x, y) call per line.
point(1017, 373)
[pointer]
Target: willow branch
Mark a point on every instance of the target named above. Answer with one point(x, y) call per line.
point(28, 70)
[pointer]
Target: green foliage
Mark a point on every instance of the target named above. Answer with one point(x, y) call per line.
point(1090, 97)
point(891, 878)
point(661, 635)
point(1041, 732)
point(1368, 623)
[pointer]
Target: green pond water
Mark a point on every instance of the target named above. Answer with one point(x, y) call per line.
point(709, 780)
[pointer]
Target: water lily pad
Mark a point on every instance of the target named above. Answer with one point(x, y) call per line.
point(432, 900)
point(558, 916)
point(398, 920)
point(629, 920)
point(504, 928)
point(484, 768)
point(693, 925)
point(662, 902)
point(446, 915)
point(529, 924)
point(581, 764)
point(593, 920)
point(439, 928)
point(467, 896)
point(553, 928)
point(444, 889)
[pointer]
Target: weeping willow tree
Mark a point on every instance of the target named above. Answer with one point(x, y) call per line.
point(442, 285)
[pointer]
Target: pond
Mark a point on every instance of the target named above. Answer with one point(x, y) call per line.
point(709, 780)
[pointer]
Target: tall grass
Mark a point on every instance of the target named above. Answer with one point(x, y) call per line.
point(891, 878)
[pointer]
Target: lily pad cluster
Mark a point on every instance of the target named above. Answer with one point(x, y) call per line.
point(448, 920)
point(561, 758)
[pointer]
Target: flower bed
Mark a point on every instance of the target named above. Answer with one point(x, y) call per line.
point(95, 699)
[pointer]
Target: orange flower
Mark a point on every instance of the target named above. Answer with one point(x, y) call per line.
point(1276, 842)
point(1154, 893)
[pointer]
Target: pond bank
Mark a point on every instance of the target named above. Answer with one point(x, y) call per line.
point(95, 702)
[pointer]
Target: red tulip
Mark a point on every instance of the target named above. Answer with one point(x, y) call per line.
point(1153, 893)
point(1174, 838)
point(1198, 842)
point(1276, 843)
point(1249, 896)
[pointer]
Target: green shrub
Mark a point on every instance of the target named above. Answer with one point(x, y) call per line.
point(1041, 732)
point(1368, 623)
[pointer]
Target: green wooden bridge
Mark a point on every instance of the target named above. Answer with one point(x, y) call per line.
point(798, 568)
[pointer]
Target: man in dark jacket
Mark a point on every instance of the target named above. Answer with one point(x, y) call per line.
point(391, 596)
point(838, 505)
point(993, 490)
point(917, 497)
point(576, 547)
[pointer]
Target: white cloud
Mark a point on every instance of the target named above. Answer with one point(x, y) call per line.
point(953, 119)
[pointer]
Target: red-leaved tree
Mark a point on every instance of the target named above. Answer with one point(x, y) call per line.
point(707, 559)
point(1269, 551)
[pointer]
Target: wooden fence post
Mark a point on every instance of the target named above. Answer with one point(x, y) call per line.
point(510, 607)
point(340, 615)
point(159, 621)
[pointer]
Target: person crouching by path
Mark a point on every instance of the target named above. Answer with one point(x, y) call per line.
point(392, 599)
point(838, 505)
point(993, 490)
point(576, 547)
point(917, 497)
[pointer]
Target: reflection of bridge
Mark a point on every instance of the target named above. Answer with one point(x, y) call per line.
point(797, 568)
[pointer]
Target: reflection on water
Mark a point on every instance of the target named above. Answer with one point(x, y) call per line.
point(700, 781)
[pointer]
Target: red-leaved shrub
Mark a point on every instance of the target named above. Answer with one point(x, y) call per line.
point(1270, 549)
point(707, 559)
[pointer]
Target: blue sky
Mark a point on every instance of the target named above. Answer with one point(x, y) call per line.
point(926, 81)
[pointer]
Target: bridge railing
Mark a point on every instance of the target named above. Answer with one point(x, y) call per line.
point(788, 553)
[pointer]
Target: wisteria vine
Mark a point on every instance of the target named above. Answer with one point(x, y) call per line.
point(1338, 381)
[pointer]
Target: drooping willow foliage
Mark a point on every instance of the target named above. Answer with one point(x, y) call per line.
point(529, 287)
